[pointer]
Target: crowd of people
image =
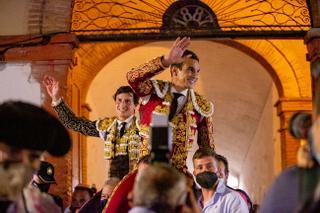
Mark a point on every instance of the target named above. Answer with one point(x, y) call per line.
point(136, 183)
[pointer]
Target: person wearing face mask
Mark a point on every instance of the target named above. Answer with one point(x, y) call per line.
point(120, 134)
point(26, 131)
point(223, 167)
point(189, 113)
point(43, 179)
point(216, 196)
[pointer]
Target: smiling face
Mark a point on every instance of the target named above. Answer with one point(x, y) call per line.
point(187, 76)
point(124, 106)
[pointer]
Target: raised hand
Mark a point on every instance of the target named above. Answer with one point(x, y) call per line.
point(176, 51)
point(52, 86)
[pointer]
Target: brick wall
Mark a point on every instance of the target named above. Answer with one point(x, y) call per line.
point(47, 16)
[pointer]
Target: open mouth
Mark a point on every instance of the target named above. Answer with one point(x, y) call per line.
point(192, 80)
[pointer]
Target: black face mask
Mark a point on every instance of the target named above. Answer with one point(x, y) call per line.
point(207, 179)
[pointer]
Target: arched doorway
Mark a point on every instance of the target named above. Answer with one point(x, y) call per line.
point(235, 78)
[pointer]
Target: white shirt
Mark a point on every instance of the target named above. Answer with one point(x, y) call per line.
point(182, 99)
point(128, 122)
point(224, 200)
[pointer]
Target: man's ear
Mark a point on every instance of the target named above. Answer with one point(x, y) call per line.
point(174, 71)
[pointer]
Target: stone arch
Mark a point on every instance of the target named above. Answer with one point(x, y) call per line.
point(287, 76)
point(295, 83)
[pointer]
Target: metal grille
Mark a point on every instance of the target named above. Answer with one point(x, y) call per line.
point(141, 19)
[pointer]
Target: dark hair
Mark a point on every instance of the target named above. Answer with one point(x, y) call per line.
point(204, 152)
point(187, 54)
point(224, 160)
point(81, 187)
point(126, 89)
point(26, 126)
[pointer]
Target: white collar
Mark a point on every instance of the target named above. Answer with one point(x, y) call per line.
point(183, 92)
point(128, 120)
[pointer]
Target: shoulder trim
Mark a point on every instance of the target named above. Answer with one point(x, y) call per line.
point(161, 87)
point(201, 104)
point(105, 124)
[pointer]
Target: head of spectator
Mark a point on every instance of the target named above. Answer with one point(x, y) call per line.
point(223, 170)
point(26, 131)
point(205, 168)
point(186, 73)
point(81, 194)
point(143, 162)
point(223, 167)
point(125, 101)
point(159, 188)
point(107, 189)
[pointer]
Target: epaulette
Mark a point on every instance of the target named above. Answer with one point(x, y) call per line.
point(201, 104)
point(161, 87)
point(105, 124)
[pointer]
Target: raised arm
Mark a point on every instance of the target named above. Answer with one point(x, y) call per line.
point(139, 77)
point(65, 114)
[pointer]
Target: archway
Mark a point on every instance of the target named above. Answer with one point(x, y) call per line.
point(252, 106)
point(288, 71)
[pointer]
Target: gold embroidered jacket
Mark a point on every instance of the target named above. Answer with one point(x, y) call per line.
point(106, 129)
point(193, 122)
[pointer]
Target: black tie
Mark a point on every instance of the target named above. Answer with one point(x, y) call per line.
point(122, 129)
point(174, 105)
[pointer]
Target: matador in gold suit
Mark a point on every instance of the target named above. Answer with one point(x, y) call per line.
point(191, 119)
point(120, 134)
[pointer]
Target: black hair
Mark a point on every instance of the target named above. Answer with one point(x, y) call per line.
point(91, 191)
point(188, 54)
point(224, 160)
point(126, 89)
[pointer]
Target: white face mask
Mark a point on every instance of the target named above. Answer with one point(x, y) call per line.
point(14, 177)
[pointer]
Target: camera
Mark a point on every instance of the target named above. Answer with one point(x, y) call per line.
point(159, 135)
point(300, 124)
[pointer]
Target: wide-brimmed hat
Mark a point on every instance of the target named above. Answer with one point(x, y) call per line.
point(26, 126)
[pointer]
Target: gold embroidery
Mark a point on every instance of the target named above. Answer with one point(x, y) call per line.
point(105, 123)
point(139, 77)
point(145, 87)
point(206, 133)
point(185, 123)
point(205, 106)
point(129, 143)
